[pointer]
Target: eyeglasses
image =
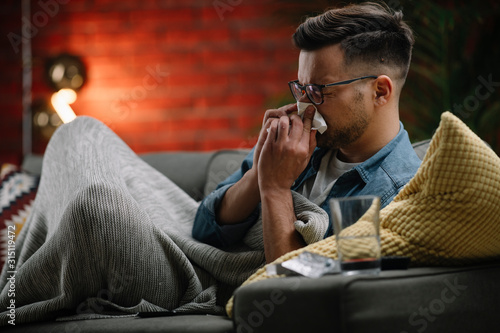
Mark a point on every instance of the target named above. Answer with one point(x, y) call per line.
point(315, 91)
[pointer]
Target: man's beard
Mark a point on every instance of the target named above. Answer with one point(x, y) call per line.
point(342, 137)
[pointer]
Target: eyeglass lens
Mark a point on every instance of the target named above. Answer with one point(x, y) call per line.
point(313, 92)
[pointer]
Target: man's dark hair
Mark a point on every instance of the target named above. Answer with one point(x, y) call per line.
point(368, 32)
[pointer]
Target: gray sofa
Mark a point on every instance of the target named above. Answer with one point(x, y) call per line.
point(431, 299)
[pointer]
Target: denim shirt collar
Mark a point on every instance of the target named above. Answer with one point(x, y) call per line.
point(367, 168)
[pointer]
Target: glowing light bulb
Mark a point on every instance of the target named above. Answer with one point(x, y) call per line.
point(61, 101)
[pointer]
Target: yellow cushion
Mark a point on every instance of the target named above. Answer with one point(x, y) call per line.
point(449, 212)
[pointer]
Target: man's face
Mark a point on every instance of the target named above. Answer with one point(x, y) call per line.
point(346, 108)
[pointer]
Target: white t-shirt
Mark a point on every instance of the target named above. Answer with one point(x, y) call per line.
point(316, 189)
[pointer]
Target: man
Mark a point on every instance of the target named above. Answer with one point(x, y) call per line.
point(103, 218)
point(352, 66)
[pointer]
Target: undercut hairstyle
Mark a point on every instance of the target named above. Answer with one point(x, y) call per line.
point(369, 32)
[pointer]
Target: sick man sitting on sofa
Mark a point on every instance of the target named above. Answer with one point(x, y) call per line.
point(109, 234)
point(352, 67)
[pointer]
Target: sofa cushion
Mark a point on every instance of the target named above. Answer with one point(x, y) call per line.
point(449, 212)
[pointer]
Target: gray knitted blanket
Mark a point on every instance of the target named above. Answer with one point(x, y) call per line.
point(108, 234)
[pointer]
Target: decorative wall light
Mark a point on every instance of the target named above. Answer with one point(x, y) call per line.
point(66, 74)
point(45, 121)
point(65, 71)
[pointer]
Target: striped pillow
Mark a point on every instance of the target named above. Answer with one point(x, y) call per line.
point(17, 192)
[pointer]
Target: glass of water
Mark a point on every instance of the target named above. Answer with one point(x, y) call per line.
point(356, 224)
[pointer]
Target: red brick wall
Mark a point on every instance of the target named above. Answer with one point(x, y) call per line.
point(164, 75)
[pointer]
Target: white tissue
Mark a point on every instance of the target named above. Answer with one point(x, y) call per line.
point(318, 122)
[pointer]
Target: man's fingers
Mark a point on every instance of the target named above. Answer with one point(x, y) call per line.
point(312, 141)
point(278, 113)
point(290, 108)
point(263, 133)
point(308, 118)
point(275, 113)
point(260, 143)
point(272, 132)
point(296, 129)
point(283, 127)
point(307, 132)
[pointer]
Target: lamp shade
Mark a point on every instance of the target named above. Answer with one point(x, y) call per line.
point(65, 71)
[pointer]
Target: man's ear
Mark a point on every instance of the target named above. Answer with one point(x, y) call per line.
point(383, 90)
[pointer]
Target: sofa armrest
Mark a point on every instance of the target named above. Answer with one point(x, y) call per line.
point(292, 304)
point(32, 163)
point(415, 300)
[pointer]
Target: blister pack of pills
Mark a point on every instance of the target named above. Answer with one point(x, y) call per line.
point(306, 264)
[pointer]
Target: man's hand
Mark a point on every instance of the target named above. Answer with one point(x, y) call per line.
point(242, 198)
point(285, 146)
point(283, 150)
point(284, 153)
point(269, 116)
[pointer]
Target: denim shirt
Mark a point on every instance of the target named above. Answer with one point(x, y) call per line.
point(384, 174)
